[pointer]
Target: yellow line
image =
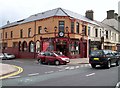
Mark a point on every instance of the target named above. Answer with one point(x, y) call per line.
point(20, 70)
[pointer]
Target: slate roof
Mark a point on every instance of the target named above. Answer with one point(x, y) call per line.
point(51, 13)
point(112, 22)
point(108, 27)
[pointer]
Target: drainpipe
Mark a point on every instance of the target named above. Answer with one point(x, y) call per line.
point(35, 41)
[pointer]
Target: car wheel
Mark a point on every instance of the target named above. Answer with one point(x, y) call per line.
point(93, 65)
point(57, 62)
point(40, 61)
point(117, 63)
point(108, 64)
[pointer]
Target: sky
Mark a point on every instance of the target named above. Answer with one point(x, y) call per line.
point(14, 10)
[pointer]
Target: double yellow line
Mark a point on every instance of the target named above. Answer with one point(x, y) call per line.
point(20, 70)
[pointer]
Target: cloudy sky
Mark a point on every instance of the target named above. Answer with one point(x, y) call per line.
point(14, 10)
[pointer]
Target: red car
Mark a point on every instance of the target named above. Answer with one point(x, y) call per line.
point(52, 58)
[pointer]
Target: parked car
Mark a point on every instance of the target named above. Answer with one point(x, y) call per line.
point(103, 58)
point(117, 54)
point(6, 56)
point(52, 58)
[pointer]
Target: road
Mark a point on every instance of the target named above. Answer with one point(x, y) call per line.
point(64, 75)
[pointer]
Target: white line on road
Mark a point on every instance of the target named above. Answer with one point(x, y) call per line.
point(118, 84)
point(49, 72)
point(33, 74)
point(77, 67)
point(14, 77)
point(18, 61)
point(90, 74)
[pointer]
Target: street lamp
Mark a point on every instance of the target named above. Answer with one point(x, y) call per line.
point(67, 30)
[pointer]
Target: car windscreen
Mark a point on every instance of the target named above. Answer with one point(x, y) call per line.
point(96, 53)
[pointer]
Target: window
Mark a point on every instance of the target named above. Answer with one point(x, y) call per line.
point(24, 46)
point(106, 34)
point(96, 32)
point(100, 32)
point(38, 46)
point(11, 34)
point(72, 27)
point(31, 46)
point(85, 30)
point(15, 44)
point(5, 34)
point(39, 29)
point(29, 32)
point(61, 25)
point(21, 33)
point(77, 27)
point(1, 35)
point(89, 31)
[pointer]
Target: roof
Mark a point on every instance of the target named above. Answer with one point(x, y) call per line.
point(112, 22)
point(51, 13)
point(106, 26)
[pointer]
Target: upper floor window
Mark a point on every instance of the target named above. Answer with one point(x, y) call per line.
point(72, 27)
point(89, 31)
point(29, 32)
point(77, 27)
point(1, 35)
point(100, 33)
point(5, 34)
point(21, 33)
point(106, 34)
point(61, 25)
point(96, 32)
point(11, 34)
point(39, 29)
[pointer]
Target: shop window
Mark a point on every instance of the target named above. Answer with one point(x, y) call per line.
point(61, 25)
point(74, 48)
point(38, 46)
point(24, 46)
point(20, 46)
point(15, 44)
point(31, 46)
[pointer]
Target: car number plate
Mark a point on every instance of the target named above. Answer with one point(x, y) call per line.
point(96, 58)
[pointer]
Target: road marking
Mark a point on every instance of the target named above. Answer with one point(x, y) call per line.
point(90, 74)
point(71, 68)
point(67, 68)
point(14, 77)
point(18, 61)
point(20, 70)
point(77, 67)
point(49, 72)
point(118, 84)
point(33, 74)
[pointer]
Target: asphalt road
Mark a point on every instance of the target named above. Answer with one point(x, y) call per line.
point(65, 75)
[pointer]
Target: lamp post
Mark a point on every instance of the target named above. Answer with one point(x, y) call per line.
point(55, 28)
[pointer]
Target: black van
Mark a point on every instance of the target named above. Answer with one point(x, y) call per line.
point(103, 58)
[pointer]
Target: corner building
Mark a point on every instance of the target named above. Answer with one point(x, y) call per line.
point(53, 30)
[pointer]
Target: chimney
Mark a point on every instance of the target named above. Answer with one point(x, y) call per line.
point(89, 14)
point(116, 16)
point(110, 14)
point(8, 22)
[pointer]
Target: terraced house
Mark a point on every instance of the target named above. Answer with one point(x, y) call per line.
point(54, 30)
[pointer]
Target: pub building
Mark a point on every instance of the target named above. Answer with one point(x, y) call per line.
point(53, 30)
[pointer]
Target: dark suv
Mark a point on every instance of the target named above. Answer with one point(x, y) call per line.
point(103, 58)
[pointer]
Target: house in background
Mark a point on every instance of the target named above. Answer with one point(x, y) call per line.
point(106, 35)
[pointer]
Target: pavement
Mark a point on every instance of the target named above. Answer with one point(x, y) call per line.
point(6, 69)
